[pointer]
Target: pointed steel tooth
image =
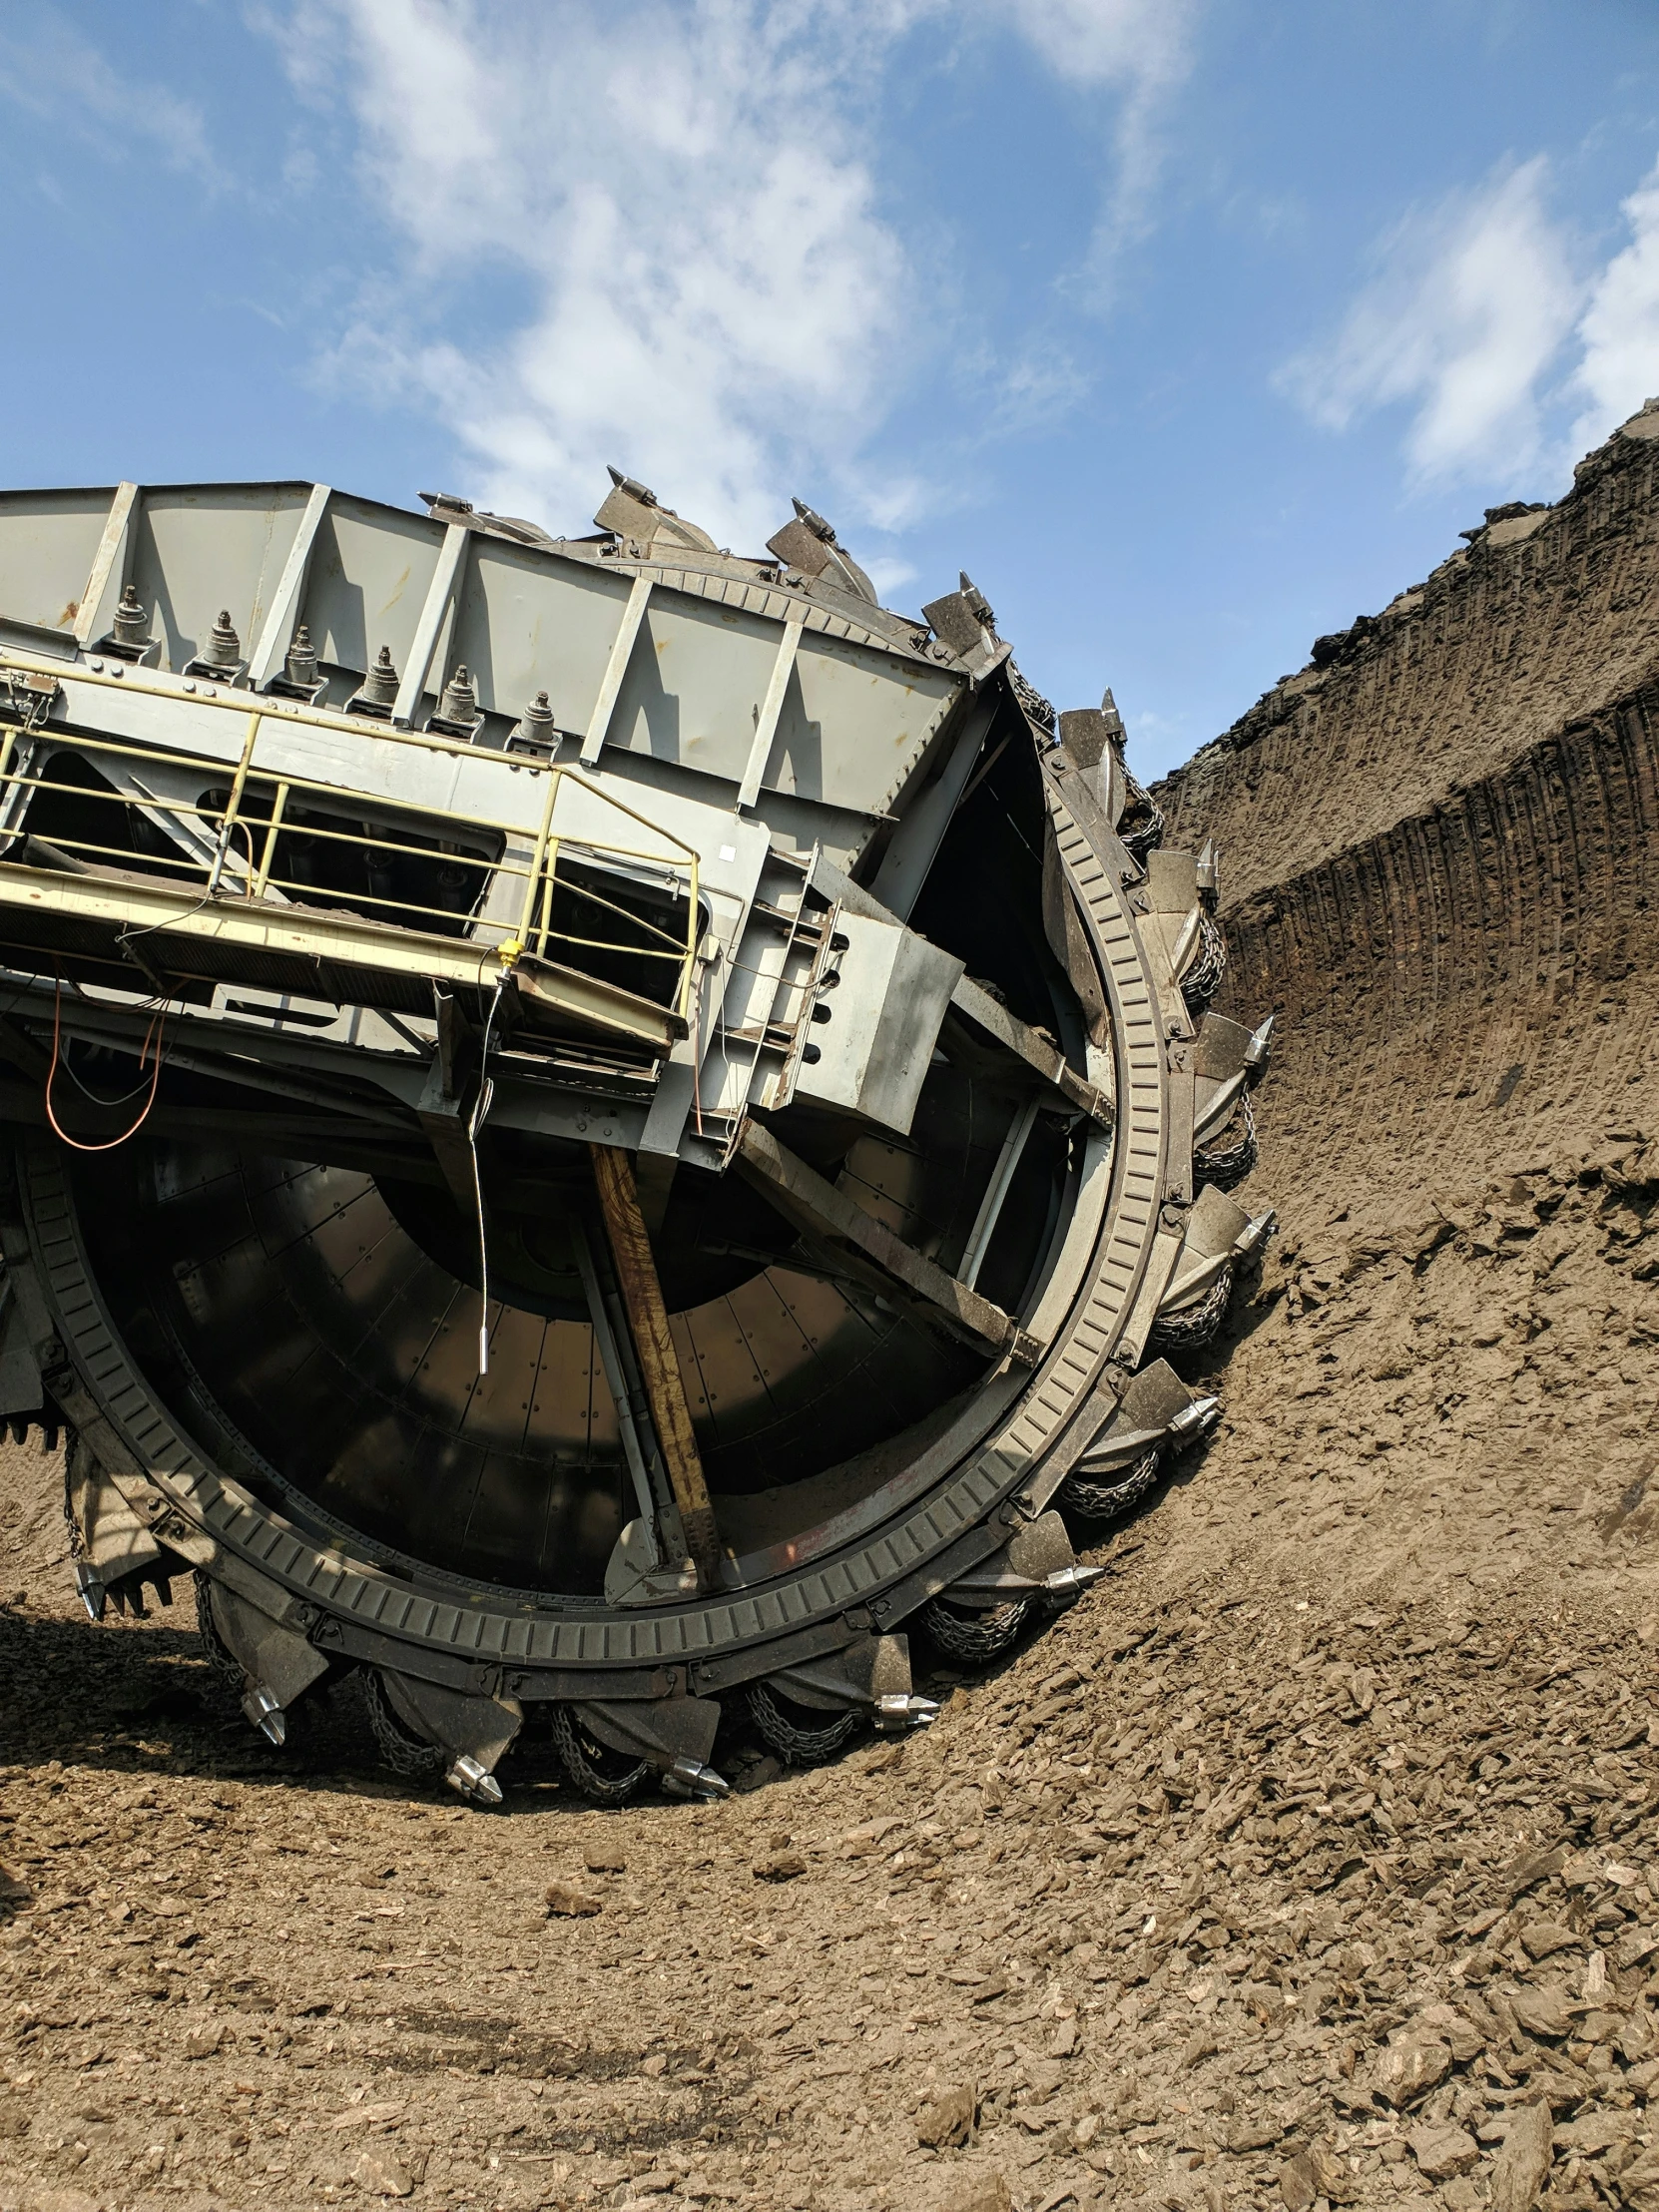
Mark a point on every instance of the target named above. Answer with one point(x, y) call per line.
point(1071, 1582)
point(1250, 1238)
point(901, 1710)
point(265, 1710)
point(473, 1778)
point(689, 1778)
point(90, 1590)
point(1193, 1419)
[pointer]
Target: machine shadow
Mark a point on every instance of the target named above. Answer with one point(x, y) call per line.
point(140, 1699)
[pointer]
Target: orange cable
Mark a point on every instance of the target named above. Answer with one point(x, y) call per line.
point(155, 1031)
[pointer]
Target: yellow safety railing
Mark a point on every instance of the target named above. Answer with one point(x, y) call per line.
point(261, 808)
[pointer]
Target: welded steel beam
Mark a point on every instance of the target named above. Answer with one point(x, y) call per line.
point(969, 1003)
point(814, 1203)
point(246, 936)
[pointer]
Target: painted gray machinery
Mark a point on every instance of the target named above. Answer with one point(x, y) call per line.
point(590, 1124)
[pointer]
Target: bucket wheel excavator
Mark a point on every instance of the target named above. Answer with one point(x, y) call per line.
point(587, 1124)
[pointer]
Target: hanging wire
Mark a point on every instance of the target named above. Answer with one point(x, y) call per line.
point(145, 1007)
point(125, 937)
point(154, 1034)
point(96, 1097)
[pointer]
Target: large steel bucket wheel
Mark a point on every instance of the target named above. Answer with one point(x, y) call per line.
point(889, 1347)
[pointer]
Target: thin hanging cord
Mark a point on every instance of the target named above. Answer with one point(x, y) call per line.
point(475, 1122)
point(156, 1032)
point(125, 937)
point(148, 1005)
point(96, 1097)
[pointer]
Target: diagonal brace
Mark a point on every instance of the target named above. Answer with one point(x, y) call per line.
point(641, 1294)
point(815, 1205)
point(971, 1003)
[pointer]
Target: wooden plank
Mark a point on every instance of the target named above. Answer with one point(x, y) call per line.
point(804, 1196)
point(642, 1294)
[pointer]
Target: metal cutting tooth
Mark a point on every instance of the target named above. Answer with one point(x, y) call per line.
point(471, 1779)
point(264, 1709)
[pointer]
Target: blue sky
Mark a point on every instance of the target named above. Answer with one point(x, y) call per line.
point(1191, 328)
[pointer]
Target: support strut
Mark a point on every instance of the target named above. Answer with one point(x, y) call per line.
point(642, 1294)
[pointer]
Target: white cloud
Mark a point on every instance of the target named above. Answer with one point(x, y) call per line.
point(1466, 313)
point(1619, 330)
point(684, 197)
point(1037, 389)
point(716, 303)
point(889, 577)
point(1141, 45)
point(1138, 49)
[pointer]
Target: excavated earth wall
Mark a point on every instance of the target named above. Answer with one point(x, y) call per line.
point(1439, 853)
point(1310, 1861)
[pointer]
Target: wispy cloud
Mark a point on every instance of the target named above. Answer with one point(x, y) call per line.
point(1037, 389)
point(47, 66)
point(685, 197)
point(1619, 332)
point(716, 302)
point(1140, 50)
point(1467, 310)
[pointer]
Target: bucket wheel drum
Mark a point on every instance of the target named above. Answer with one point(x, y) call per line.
point(841, 1369)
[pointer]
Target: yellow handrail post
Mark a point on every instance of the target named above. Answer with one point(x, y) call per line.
point(264, 877)
point(549, 872)
point(537, 857)
point(6, 752)
point(690, 946)
point(239, 780)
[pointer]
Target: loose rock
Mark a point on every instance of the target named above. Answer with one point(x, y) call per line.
point(779, 1865)
point(1522, 2163)
point(946, 2120)
point(567, 1899)
point(381, 2175)
point(1408, 2068)
point(1442, 2150)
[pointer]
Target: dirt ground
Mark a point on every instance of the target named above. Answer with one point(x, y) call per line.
point(1311, 1857)
point(1310, 1861)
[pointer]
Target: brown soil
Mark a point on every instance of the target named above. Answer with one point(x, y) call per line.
point(1311, 1858)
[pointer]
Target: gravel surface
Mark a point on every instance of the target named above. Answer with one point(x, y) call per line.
point(1310, 1858)
point(1310, 1861)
